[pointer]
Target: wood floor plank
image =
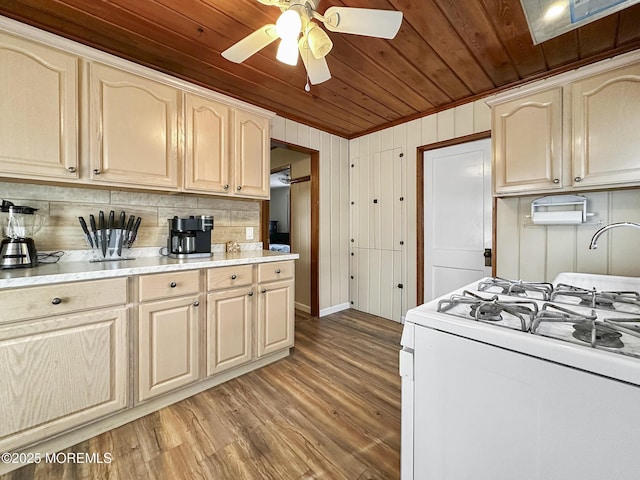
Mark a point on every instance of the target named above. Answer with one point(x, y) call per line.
point(331, 410)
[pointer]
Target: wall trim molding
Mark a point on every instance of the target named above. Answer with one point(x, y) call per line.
point(302, 307)
point(335, 309)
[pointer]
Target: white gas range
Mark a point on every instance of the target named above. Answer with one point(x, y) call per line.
point(510, 380)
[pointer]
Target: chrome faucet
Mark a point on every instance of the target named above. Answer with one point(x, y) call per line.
point(593, 246)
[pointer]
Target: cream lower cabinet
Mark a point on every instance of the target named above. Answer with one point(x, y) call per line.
point(275, 318)
point(168, 333)
point(230, 317)
point(38, 111)
point(133, 129)
point(229, 324)
point(66, 366)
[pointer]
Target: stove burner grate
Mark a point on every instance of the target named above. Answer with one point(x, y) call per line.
point(518, 288)
point(597, 334)
point(595, 299)
point(491, 309)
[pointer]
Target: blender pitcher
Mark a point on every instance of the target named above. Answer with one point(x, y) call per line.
point(20, 224)
point(23, 222)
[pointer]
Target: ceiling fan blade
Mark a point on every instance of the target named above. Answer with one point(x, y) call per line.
point(317, 68)
point(363, 21)
point(251, 44)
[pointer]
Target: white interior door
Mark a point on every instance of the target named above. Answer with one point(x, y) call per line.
point(457, 216)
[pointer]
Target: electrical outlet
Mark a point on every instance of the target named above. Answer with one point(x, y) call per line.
point(249, 233)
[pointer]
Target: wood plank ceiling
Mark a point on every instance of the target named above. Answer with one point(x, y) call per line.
point(447, 52)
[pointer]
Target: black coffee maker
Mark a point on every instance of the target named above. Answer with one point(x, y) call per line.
point(190, 237)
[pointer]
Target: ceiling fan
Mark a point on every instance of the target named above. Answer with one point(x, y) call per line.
point(314, 43)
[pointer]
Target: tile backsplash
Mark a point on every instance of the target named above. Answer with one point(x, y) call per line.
point(63, 205)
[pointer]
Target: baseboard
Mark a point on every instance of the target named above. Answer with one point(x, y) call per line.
point(302, 307)
point(336, 308)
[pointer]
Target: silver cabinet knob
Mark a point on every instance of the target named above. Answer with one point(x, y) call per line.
point(234, 276)
point(72, 169)
point(556, 180)
point(278, 271)
point(96, 171)
point(196, 303)
point(226, 187)
point(250, 293)
point(56, 301)
point(173, 284)
point(578, 179)
point(264, 290)
point(239, 187)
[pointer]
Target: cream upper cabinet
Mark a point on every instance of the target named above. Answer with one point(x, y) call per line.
point(527, 142)
point(38, 111)
point(207, 146)
point(252, 155)
point(133, 129)
point(606, 122)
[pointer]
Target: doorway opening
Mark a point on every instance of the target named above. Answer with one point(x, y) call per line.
point(290, 220)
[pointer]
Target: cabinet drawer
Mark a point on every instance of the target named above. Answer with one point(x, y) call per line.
point(229, 277)
point(49, 300)
point(167, 285)
point(268, 272)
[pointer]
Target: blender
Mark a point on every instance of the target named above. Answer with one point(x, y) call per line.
point(20, 223)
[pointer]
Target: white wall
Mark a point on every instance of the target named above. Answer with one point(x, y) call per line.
point(539, 253)
point(334, 208)
point(377, 296)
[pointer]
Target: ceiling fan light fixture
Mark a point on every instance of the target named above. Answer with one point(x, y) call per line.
point(289, 24)
point(288, 51)
point(318, 40)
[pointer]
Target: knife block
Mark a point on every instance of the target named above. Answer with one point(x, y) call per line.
point(114, 241)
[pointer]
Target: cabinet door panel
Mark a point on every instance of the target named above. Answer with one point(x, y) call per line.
point(275, 316)
point(527, 136)
point(167, 346)
point(60, 373)
point(606, 125)
point(133, 129)
point(38, 111)
point(251, 155)
point(229, 321)
point(206, 145)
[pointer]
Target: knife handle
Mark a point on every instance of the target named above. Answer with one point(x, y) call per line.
point(123, 219)
point(112, 216)
point(92, 222)
point(83, 224)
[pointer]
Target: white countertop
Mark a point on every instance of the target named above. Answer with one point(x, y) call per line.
point(84, 270)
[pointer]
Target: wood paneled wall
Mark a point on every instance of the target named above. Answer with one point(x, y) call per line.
point(539, 253)
point(371, 290)
point(63, 205)
point(334, 208)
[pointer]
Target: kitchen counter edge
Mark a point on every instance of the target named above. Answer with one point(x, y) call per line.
point(77, 271)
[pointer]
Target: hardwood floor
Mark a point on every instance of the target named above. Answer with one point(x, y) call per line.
point(331, 410)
